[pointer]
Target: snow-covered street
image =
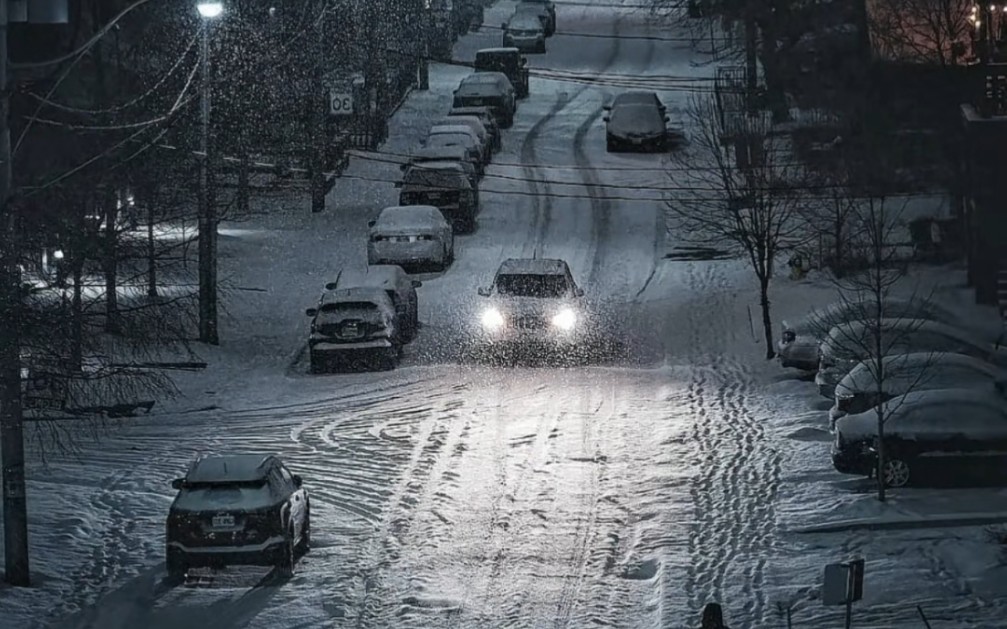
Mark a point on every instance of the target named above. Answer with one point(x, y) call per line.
point(452, 494)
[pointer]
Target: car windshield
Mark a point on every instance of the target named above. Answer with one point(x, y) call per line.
point(528, 285)
point(347, 308)
point(224, 496)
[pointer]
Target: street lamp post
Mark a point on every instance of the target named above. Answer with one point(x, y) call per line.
point(207, 215)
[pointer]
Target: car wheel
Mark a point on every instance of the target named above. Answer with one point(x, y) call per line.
point(610, 145)
point(285, 564)
point(176, 567)
point(317, 364)
point(306, 531)
point(540, 48)
point(389, 360)
point(896, 472)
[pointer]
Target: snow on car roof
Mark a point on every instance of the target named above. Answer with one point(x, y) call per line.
point(861, 329)
point(442, 129)
point(407, 216)
point(533, 266)
point(354, 293)
point(525, 20)
point(451, 152)
point(236, 468)
point(840, 311)
point(384, 276)
point(926, 365)
point(482, 80)
point(498, 51)
point(866, 424)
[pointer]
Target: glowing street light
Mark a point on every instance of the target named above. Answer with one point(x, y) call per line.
point(210, 10)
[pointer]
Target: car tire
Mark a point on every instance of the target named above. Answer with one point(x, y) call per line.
point(896, 472)
point(305, 543)
point(389, 360)
point(540, 48)
point(610, 145)
point(316, 363)
point(287, 559)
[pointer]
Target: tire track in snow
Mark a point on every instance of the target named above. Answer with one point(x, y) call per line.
point(737, 470)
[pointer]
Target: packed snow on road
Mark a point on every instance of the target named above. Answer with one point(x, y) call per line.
point(666, 467)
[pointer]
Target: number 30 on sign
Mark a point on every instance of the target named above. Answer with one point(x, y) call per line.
point(340, 103)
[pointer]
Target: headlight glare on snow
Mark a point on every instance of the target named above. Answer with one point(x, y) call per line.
point(492, 319)
point(565, 319)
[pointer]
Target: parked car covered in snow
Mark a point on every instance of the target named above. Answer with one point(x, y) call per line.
point(866, 386)
point(525, 32)
point(354, 326)
point(798, 345)
point(441, 157)
point(447, 189)
point(488, 89)
point(636, 119)
point(533, 301)
point(850, 343)
point(392, 279)
point(489, 140)
point(508, 60)
point(461, 135)
point(243, 509)
point(541, 12)
point(550, 8)
point(411, 235)
point(950, 430)
point(485, 115)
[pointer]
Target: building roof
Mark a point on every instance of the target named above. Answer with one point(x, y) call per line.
point(533, 266)
point(235, 468)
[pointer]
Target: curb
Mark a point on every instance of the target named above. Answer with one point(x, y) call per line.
point(945, 521)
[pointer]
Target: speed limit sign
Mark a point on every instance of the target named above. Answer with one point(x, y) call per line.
point(340, 103)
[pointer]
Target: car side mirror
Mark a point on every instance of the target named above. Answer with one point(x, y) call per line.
point(417, 283)
point(483, 292)
point(311, 312)
point(177, 483)
point(371, 223)
point(298, 481)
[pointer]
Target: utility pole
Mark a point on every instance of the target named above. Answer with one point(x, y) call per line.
point(207, 203)
point(319, 134)
point(15, 504)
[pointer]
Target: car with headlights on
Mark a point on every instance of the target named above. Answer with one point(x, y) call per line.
point(525, 32)
point(411, 235)
point(488, 89)
point(533, 301)
point(799, 340)
point(849, 343)
point(870, 383)
point(239, 509)
point(354, 326)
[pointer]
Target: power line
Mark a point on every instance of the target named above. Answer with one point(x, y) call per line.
point(661, 38)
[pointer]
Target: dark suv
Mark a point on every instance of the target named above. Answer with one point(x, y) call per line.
point(509, 61)
point(245, 509)
point(447, 189)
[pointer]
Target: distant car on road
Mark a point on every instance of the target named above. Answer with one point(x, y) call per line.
point(488, 89)
point(411, 235)
point(448, 189)
point(636, 120)
point(242, 509)
point(510, 61)
point(525, 32)
point(533, 300)
point(354, 326)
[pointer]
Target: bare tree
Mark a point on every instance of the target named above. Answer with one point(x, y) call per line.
point(738, 187)
point(922, 31)
point(875, 329)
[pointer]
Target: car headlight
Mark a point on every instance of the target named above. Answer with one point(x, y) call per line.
point(493, 318)
point(565, 319)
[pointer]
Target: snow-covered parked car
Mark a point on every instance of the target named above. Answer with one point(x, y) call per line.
point(533, 301)
point(550, 8)
point(637, 120)
point(392, 279)
point(444, 157)
point(463, 136)
point(799, 341)
point(485, 116)
point(447, 188)
point(241, 509)
point(525, 32)
point(354, 325)
point(488, 89)
point(411, 235)
point(489, 140)
point(862, 389)
point(540, 11)
point(849, 343)
point(947, 430)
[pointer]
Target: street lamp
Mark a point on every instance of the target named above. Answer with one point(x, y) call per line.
point(207, 218)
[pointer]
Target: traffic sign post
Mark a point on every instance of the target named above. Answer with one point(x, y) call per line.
point(340, 103)
point(844, 584)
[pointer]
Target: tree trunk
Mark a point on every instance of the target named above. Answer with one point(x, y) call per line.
point(767, 322)
point(110, 254)
point(880, 446)
point(77, 317)
point(151, 251)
